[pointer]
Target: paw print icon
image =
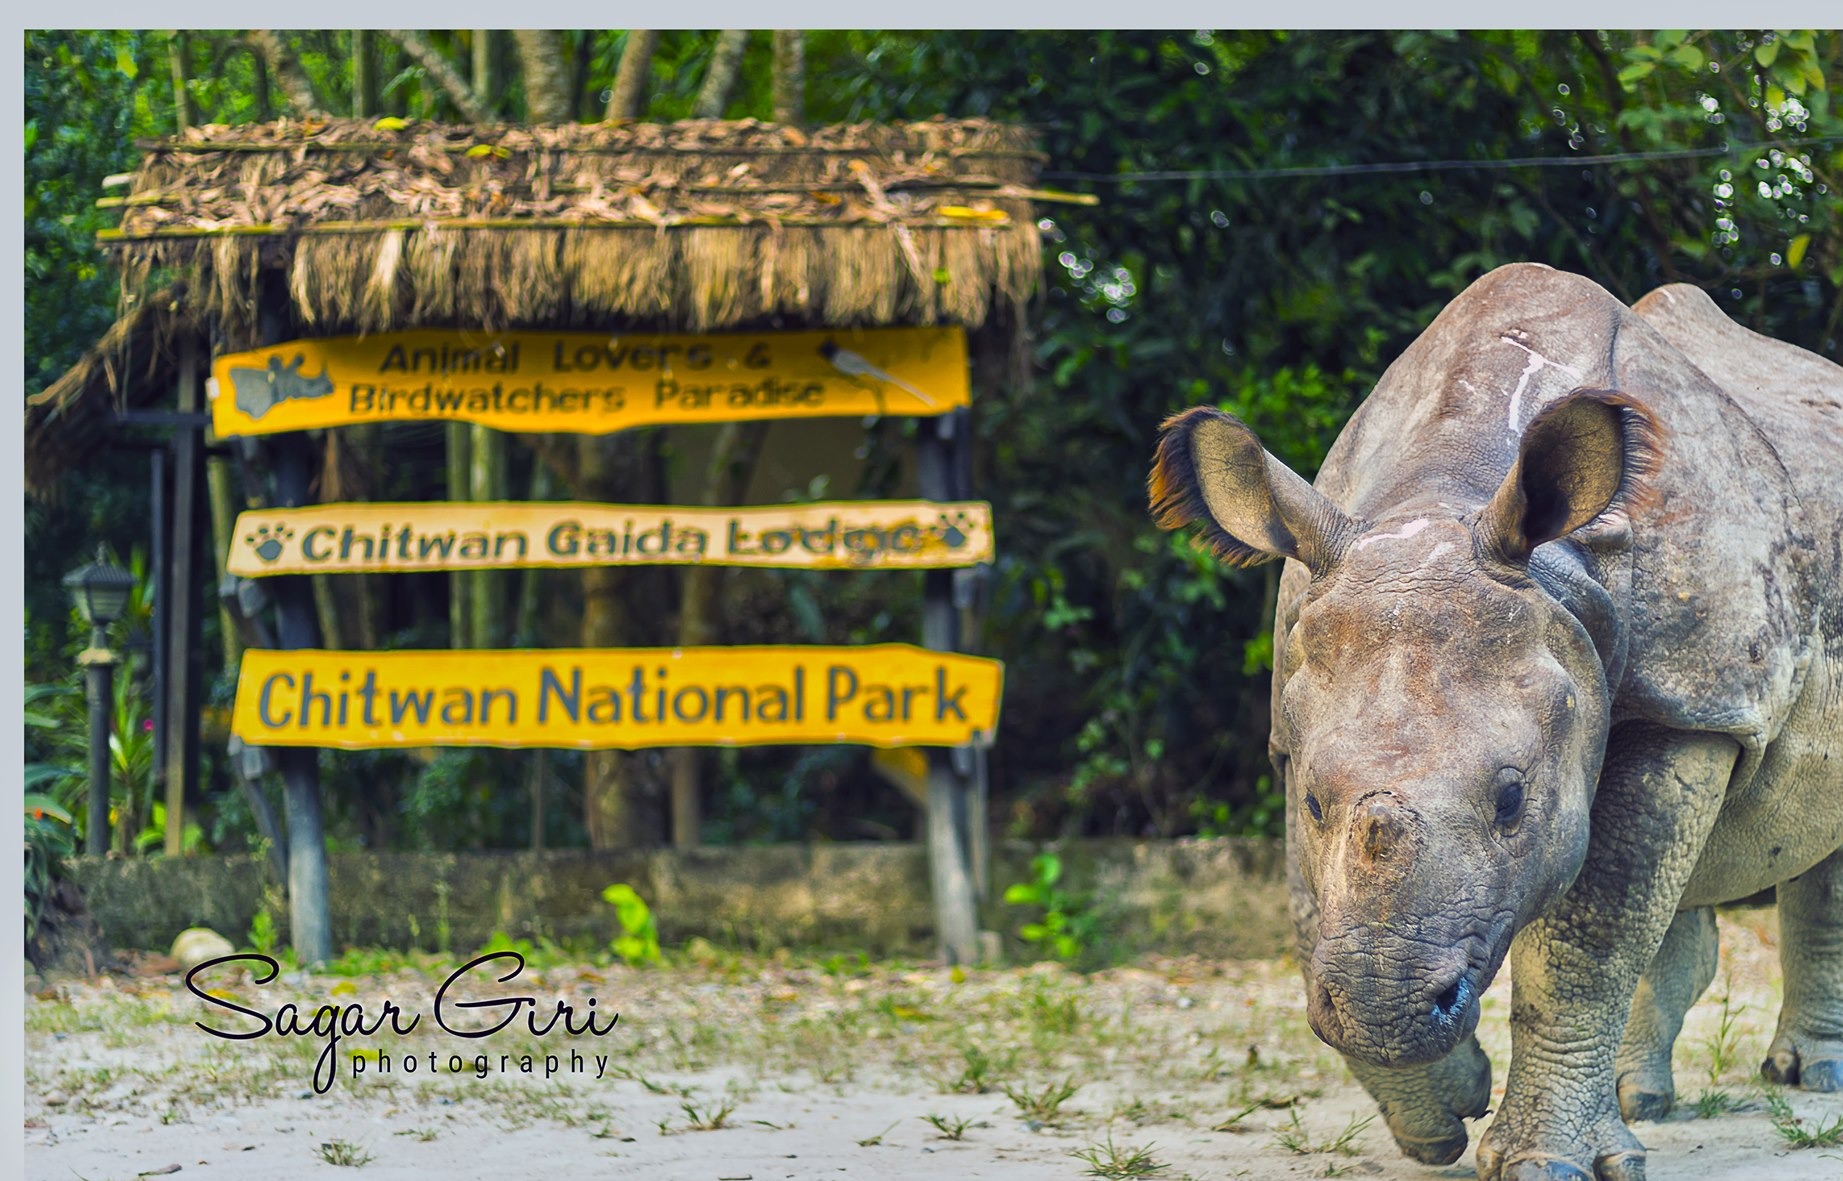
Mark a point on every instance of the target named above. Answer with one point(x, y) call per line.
point(953, 530)
point(268, 540)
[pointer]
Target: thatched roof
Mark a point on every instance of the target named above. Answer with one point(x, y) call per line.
point(691, 226)
point(131, 367)
point(694, 226)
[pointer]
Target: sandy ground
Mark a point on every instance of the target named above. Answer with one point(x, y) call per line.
point(829, 1070)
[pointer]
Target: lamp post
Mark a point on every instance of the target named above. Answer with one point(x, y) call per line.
point(100, 591)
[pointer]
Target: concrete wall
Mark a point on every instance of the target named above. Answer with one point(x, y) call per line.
point(1221, 897)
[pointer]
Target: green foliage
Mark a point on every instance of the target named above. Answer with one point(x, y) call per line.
point(50, 838)
point(1138, 668)
point(60, 713)
point(262, 937)
point(638, 942)
point(1066, 925)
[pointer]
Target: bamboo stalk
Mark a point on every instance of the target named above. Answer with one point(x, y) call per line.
point(195, 147)
point(995, 188)
point(265, 229)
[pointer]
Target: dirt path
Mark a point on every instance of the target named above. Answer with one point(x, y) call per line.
point(833, 1070)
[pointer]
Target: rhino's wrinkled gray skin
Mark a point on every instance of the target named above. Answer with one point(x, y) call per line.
point(1558, 665)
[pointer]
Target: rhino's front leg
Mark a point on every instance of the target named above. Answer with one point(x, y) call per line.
point(1574, 968)
point(1807, 1050)
point(1426, 1106)
point(1679, 972)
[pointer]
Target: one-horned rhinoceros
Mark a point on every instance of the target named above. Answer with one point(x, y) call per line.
point(1558, 666)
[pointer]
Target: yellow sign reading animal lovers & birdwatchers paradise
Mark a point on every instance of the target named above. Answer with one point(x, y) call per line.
point(885, 695)
point(588, 383)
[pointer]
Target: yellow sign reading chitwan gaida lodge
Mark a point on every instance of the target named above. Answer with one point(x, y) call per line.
point(588, 383)
point(347, 538)
point(880, 695)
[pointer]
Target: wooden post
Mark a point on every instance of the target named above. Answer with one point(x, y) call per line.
point(182, 613)
point(950, 845)
point(290, 460)
point(159, 504)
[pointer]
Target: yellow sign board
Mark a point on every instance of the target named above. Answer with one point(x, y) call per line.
point(590, 383)
point(865, 535)
point(882, 695)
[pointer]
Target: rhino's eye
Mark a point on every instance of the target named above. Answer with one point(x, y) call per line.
point(1311, 805)
point(1509, 798)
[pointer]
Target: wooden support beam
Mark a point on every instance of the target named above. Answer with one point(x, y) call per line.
point(950, 819)
point(291, 463)
point(183, 610)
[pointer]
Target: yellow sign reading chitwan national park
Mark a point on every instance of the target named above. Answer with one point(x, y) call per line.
point(590, 383)
point(883, 695)
point(861, 535)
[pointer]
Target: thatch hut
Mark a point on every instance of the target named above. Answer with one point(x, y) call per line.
point(695, 226)
point(356, 226)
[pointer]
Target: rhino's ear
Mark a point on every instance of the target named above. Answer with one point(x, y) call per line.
point(1587, 456)
point(1210, 470)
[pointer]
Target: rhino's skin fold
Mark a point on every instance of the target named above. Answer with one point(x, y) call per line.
point(1558, 666)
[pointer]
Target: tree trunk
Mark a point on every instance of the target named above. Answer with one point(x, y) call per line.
point(178, 52)
point(720, 75)
point(627, 97)
point(620, 796)
point(530, 579)
point(294, 80)
point(223, 534)
point(789, 76)
point(364, 79)
point(536, 780)
point(726, 482)
point(460, 620)
point(259, 84)
point(367, 593)
point(442, 71)
point(540, 55)
point(327, 611)
point(582, 110)
point(486, 595)
point(486, 75)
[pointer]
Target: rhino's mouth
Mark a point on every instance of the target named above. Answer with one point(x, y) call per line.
point(1414, 1013)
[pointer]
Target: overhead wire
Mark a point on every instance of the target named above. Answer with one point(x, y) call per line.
point(1409, 166)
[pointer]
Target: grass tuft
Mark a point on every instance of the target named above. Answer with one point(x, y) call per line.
point(1044, 1105)
point(345, 1154)
point(1107, 1160)
point(1798, 1132)
point(1296, 1139)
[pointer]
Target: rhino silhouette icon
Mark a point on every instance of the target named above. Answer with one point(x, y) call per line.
point(261, 390)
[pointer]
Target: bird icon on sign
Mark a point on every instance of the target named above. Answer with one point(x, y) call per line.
point(852, 365)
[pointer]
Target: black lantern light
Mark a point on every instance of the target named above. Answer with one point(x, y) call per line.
point(101, 591)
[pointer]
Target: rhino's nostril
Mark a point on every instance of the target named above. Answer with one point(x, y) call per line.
point(1453, 1000)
